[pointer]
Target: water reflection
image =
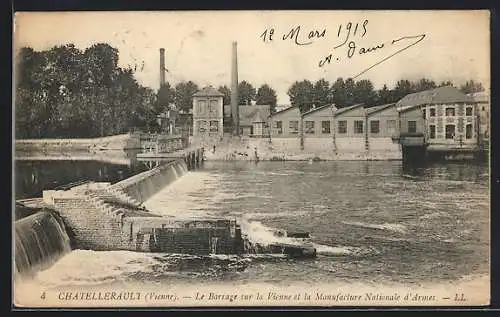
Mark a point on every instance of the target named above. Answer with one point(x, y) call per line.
point(466, 171)
point(33, 174)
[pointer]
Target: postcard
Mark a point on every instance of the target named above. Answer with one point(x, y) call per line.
point(251, 158)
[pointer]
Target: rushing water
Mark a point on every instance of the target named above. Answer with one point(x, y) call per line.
point(40, 239)
point(371, 221)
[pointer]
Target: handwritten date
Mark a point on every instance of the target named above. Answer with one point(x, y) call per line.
point(298, 37)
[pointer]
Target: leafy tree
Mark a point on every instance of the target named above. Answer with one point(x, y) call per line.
point(322, 94)
point(66, 92)
point(365, 93)
point(226, 91)
point(166, 96)
point(385, 96)
point(302, 94)
point(246, 93)
point(338, 93)
point(267, 96)
point(445, 83)
point(350, 92)
point(184, 92)
point(403, 88)
point(471, 86)
point(423, 84)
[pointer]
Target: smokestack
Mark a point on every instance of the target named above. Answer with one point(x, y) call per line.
point(234, 92)
point(162, 67)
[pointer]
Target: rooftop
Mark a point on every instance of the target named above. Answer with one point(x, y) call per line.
point(250, 113)
point(445, 94)
point(208, 91)
point(374, 109)
point(343, 110)
point(321, 108)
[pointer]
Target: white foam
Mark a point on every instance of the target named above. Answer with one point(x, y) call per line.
point(394, 227)
point(85, 267)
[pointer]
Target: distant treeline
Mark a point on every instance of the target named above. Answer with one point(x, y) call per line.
point(65, 92)
point(348, 92)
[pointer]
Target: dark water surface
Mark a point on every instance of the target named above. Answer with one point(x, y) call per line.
point(373, 222)
point(33, 176)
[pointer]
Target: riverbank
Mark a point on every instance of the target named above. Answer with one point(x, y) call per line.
point(256, 155)
point(255, 149)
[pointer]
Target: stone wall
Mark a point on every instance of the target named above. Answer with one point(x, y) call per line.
point(89, 226)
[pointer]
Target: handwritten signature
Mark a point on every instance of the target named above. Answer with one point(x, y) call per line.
point(353, 50)
point(349, 33)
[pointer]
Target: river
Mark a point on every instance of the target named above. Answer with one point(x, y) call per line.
point(374, 222)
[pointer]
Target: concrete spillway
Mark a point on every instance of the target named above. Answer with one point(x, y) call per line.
point(106, 217)
point(40, 240)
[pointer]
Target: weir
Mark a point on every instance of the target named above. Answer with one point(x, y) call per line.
point(102, 216)
point(40, 240)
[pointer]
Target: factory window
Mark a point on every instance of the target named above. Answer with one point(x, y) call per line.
point(412, 126)
point(358, 126)
point(202, 126)
point(374, 127)
point(294, 127)
point(423, 114)
point(343, 126)
point(391, 126)
point(214, 126)
point(432, 131)
point(325, 127)
point(450, 131)
point(309, 127)
point(468, 131)
point(450, 111)
point(468, 111)
point(278, 125)
point(432, 112)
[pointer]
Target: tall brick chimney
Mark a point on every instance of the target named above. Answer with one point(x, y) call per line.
point(234, 92)
point(162, 67)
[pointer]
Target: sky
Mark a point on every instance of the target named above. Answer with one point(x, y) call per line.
point(440, 45)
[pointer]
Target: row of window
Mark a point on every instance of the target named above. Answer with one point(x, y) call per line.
point(449, 112)
point(450, 131)
point(201, 107)
point(212, 126)
point(309, 126)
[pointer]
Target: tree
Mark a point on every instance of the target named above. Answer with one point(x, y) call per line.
point(66, 92)
point(403, 88)
point(423, 84)
point(445, 83)
point(365, 93)
point(166, 96)
point(350, 92)
point(226, 91)
point(246, 93)
point(302, 94)
point(338, 93)
point(385, 96)
point(267, 96)
point(184, 92)
point(471, 86)
point(322, 94)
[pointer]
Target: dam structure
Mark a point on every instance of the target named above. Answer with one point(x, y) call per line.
point(104, 216)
